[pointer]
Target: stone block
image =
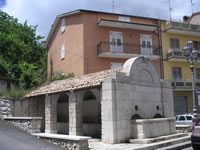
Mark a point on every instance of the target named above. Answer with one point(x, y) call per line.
point(107, 95)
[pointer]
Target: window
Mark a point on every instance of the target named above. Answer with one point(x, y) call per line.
point(63, 25)
point(143, 44)
point(198, 123)
point(116, 65)
point(62, 52)
point(198, 74)
point(174, 43)
point(196, 45)
point(116, 43)
point(181, 118)
point(123, 18)
point(176, 73)
point(189, 117)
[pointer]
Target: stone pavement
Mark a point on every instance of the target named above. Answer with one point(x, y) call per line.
point(170, 144)
point(96, 144)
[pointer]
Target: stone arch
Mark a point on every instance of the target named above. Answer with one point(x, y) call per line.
point(136, 116)
point(91, 114)
point(158, 116)
point(141, 69)
point(90, 108)
point(63, 114)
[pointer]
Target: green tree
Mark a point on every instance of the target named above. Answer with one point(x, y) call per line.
point(22, 52)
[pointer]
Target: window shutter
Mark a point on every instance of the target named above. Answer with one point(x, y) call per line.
point(63, 51)
point(63, 25)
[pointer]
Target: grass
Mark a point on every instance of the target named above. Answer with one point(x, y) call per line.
point(14, 94)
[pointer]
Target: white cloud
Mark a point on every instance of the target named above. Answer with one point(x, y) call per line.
point(43, 12)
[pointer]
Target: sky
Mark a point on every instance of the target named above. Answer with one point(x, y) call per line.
point(44, 12)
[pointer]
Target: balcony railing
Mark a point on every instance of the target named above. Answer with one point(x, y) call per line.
point(185, 26)
point(177, 53)
point(127, 48)
point(184, 84)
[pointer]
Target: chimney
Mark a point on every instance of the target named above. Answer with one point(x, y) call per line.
point(185, 19)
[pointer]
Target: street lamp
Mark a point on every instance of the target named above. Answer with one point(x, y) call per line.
point(191, 55)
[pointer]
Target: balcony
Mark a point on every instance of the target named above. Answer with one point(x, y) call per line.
point(184, 85)
point(126, 50)
point(177, 55)
point(126, 25)
point(183, 28)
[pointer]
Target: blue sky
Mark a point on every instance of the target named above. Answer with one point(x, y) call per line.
point(2, 3)
point(43, 12)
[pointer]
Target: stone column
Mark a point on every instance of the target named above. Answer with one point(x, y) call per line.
point(50, 115)
point(33, 107)
point(109, 111)
point(75, 114)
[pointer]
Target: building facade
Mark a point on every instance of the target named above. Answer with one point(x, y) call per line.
point(176, 68)
point(83, 41)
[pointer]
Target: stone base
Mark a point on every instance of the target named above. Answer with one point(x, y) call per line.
point(66, 141)
point(28, 124)
point(157, 139)
point(150, 128)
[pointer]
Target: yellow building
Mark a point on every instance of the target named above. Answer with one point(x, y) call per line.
point(174, 36)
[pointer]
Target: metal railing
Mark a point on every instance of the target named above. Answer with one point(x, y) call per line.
point(126, 48)
point(184, 84)
point(178, 53)
point(186, 26)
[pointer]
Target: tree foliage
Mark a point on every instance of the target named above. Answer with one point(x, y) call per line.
point(22, 53)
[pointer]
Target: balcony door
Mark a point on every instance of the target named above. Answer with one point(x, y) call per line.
point(116, 40)
point(146, 44)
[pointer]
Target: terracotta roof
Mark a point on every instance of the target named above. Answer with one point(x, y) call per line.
point(194, 14)
point(71, 84)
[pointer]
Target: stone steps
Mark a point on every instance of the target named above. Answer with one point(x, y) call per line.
point(170, 144)
point(157, 139)
point(177, 146)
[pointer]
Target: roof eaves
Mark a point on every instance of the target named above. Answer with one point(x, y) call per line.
point(56, 23)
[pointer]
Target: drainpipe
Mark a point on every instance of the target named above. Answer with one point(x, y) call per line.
point(161, 53)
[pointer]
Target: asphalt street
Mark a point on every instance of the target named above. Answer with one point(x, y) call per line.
point(189, 148)
point(12, 138)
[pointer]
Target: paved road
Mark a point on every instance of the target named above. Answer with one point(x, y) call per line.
point(189, 148)
point(12, 138)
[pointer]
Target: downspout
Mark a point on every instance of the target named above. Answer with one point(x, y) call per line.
point(161, 52)
point(161, 67)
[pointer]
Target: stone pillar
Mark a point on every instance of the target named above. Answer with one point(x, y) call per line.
point(167, 99)
point(108, 113)
point(50, 115)
point(75, 115)
point(33, 107)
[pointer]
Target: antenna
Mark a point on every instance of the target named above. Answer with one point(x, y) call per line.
point(170, 10)
point(192, 4)
point(113, 6)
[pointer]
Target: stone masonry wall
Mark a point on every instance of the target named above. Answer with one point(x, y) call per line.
point(5, 110)
point(28, 124)
point(69, 145)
